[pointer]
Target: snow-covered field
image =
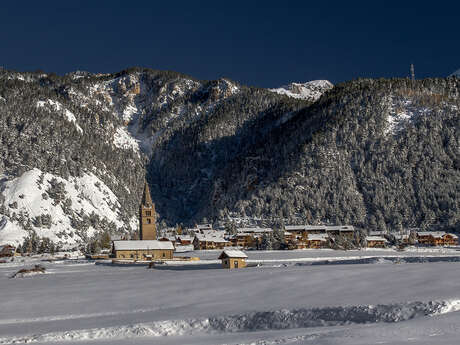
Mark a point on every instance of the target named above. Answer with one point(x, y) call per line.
point(79, 302)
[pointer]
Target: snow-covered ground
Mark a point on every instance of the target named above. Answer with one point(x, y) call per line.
point(79, 302)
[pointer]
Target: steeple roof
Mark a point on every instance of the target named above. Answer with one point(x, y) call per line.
point(146, 198)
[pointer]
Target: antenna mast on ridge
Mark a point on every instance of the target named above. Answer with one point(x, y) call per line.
point(412, 72)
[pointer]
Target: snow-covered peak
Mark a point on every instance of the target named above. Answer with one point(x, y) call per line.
point(310, 91)
point(456, 74)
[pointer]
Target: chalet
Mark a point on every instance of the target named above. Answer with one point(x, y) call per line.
point(289, 237)
point(210, 239)
point(167, 238)
point(450, 240)
point(376, 241)
point(436, 238)
point(430, 238)
point(243, 240)
point(233, 259)
point(250, 237)
point(301, 231)
point(317, 241)
point(7, 250)
point(143, 250)
point(184, 240)
point(341, 230)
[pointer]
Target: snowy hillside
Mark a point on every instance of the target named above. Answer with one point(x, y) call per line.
point(310, 91)
point(55, 208)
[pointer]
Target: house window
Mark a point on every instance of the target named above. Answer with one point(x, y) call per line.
point(148, 213)
point(164, 255)
point(236, 263)
point(149, 221)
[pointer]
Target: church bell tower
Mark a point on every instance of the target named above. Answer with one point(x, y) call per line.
point(147, 216)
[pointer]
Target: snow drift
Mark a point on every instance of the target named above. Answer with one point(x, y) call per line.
point(255, 321)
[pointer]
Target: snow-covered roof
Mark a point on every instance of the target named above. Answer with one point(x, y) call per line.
point(319, 227)
point(254, 230)
point(317, 237)
point(376, 238)
point(213, 237)
point(142, 245)
point(340, 228)
point(171, 238)
point(435, 234)
point(184, 238)
point(232, 254)
point(304, 227)
point(204, 226)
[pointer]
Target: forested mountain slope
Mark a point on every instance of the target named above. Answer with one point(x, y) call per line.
point(75, 151)
point(381, 154)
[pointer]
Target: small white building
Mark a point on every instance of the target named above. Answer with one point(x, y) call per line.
point(233, 259)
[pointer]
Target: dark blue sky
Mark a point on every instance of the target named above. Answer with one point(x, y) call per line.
point(261, 43)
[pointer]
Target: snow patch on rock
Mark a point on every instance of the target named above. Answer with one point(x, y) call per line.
point(124, 140)
point(401, 112)
point(310, 91)
point(56, 106)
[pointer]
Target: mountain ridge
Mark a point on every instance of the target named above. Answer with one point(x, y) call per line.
point(223, 151)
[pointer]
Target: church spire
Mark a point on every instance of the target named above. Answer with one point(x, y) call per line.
point(146, 198)
point(147, 216)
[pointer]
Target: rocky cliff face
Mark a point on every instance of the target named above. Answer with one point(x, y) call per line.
point(76, 149)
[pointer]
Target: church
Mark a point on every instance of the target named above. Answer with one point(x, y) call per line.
point(147, 248)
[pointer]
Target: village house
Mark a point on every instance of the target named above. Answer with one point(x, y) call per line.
point(450, 239)
point(184, 240)
point(143, 250)
point(436, 238)
point(376, 242)
point(301, 231)
point(233, 259)
point(7, 250)
point(250, 237)
point(210, 239)
point(346, 231)
point(243, 240)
